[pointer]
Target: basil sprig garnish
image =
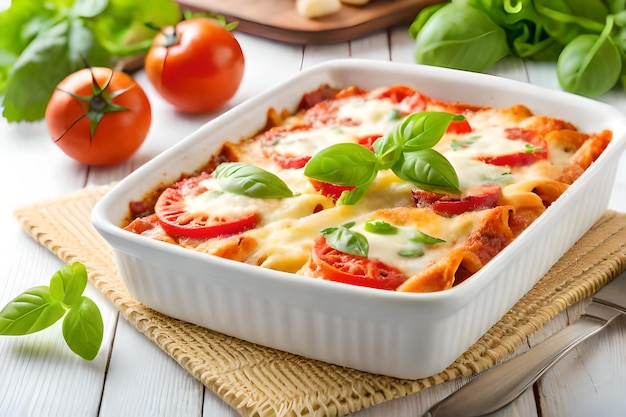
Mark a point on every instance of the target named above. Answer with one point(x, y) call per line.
point(421, 237)
point(427, 169)
point(40, 307)
point(251, 181)
point(347, 164)
point(528, 148)
point(380, 227)
point(346, 240)
point(419, 240)
point(406, 150)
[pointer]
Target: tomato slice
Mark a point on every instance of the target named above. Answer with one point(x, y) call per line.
point(459, 127)
point(290, 162)
point(368, 140)
point(537, 150)
point(175, 218)
point(342, 267)
point(412, 99)
point(329, 190)
point(286, 161)
point(516, 159)
point(479, 198)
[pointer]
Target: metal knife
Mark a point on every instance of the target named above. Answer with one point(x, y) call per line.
point(500, 385)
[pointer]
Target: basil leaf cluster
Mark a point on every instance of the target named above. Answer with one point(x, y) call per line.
point(406, 150)
point(586, 38)
point(46, 40)
point(40, 307)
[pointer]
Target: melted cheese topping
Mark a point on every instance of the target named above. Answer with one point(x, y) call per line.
point(483, 141)
point(390, 248)
point(359, 117)
point(288, 227)
point(373, 115)
point(293, 238)
point(474, 173)
point(219, 203)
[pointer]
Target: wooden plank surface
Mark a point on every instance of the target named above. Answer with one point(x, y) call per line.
point(279, 19)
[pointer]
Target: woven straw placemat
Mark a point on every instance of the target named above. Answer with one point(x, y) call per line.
point(263, 382)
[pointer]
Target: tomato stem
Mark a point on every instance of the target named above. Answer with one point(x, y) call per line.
point(171, 36)
point(97, 105)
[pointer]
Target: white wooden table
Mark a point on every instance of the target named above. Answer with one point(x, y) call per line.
point(131, 376)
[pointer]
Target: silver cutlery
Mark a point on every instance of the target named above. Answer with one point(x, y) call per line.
point(500, 385)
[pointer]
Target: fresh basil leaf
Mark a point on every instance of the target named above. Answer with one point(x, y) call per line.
point(68, 283)
point(564, 20)
point(388, 149)
point(122, 28)
point(43, 41)
point(411, 253)
point(249, 180)
point(22, 21)
point(462, 37)
point(420, 237)
point(528, 148)
point(351, 197)
point(30, 312)
point(33, 79)
point(590, 65)
point(347, 164)
point(524, 27)
point(429, 170)
point(380, 227)
point(422, 17)
point(424, 129)
point(347, 241)
point(83, 329)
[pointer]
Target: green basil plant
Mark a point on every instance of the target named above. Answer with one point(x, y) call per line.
point(586, 38)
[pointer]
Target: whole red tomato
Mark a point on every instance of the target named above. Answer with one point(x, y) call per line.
point(196, 66)
point(98, 116)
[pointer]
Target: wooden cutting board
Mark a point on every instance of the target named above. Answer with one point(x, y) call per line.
point(279, 20)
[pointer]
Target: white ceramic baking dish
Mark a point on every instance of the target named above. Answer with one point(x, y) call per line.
point(396, 334)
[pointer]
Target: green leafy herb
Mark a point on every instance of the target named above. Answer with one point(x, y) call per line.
point(590, 64)
point(411, 253)
point(353, 196)
point(429, 170)
point(421, 237)
point(586, 38)
point(40, 307)
point(419, 240)
point(380, 227)
point(424, 129)
point(43, 41)
point(456, 144)
point(528, 148)
point(346, 240)
point(459, 36)
point(406, 151)
point(83, 328)
point(348, 164)
point(249, 180)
